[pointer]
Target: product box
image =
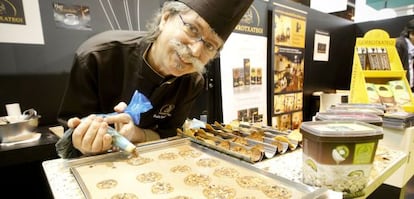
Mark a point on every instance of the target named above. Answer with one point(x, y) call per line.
point(385, 94)
point(373, 96)
point(338, 155)
point(400, 92)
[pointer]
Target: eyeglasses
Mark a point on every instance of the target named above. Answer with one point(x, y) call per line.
point(194, 33)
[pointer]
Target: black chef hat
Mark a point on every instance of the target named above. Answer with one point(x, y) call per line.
point(410, 25)
point(221, 15)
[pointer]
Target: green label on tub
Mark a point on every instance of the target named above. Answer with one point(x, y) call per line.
point(363, 153)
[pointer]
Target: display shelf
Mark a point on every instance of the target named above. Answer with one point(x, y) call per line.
point(365, 71)
point(383, 74)
point(401, 139)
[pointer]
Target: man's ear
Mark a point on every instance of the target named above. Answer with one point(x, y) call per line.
point(164, 18)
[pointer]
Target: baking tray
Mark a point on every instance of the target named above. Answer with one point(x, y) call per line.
point(90, 171)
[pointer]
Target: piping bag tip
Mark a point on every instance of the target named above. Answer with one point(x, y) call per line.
point(138, 104)
point(134, 153)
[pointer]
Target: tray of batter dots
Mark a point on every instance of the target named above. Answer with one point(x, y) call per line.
point(247, 142)
point(180, 169)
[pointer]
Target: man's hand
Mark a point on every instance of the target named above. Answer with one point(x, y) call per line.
point(125, 125)
point(89, 135)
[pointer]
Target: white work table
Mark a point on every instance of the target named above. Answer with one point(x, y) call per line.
point(64, 185)
point(402, 140)
point(386, 162)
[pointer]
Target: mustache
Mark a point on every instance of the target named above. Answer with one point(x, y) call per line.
point(185, 53)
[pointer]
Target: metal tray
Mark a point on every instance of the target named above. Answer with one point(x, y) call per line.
point(90, 171)
point(238, 142)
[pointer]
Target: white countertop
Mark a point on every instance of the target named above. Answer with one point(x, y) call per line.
point(386, 162)
point(64, 185)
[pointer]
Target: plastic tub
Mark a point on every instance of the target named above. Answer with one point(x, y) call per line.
point(339, 154)
point(341, 109)
point(350, 116)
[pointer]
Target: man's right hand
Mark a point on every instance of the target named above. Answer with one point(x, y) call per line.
point(90, 134)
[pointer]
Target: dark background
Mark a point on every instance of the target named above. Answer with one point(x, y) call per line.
point(35, 75)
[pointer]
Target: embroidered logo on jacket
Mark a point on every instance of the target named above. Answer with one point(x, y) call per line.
point(165, 111)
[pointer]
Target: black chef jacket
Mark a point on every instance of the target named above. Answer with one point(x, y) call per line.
point(110, 66)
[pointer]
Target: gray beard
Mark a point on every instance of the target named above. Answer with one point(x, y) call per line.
point(183, 51)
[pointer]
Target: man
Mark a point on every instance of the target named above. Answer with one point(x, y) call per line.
point(164, 64)
point(405, 48)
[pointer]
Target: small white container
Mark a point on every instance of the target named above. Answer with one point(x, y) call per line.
point(13, 109)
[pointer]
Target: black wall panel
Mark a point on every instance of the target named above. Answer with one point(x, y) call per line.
point(35, 75)
point(55, 56)
point(335, 73)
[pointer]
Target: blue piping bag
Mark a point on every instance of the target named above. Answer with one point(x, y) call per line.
point(138, 104)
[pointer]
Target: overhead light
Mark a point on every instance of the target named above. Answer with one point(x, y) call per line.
point(329, 6)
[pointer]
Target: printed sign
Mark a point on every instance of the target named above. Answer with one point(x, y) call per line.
point(11, 11)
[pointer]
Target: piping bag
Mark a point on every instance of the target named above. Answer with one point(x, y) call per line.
point(138, 104)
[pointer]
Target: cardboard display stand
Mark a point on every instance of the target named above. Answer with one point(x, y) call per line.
point(385, 66)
